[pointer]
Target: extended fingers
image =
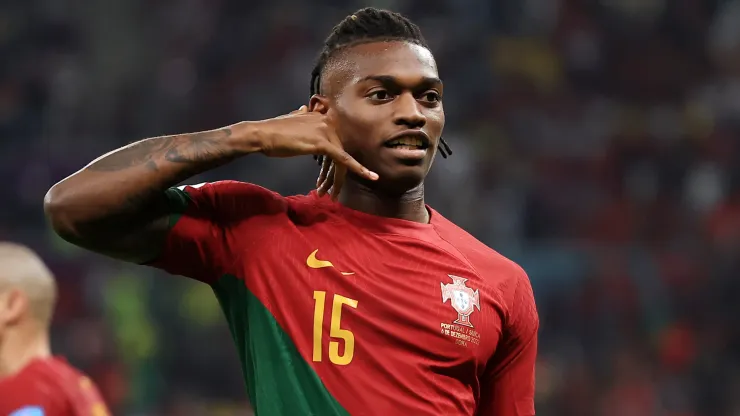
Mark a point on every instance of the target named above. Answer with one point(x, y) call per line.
point(339, 156)
point(328, 180)
point(335, 163)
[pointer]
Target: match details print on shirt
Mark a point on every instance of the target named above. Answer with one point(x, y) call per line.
point(464, 300)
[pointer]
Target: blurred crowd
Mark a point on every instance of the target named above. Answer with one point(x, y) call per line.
point(595, 142)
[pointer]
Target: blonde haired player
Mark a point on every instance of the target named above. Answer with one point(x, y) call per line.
point(33, 382)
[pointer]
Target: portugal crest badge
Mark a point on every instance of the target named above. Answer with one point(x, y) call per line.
point(463, 299)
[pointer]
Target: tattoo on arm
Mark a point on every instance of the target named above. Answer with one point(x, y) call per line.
point(205, 147)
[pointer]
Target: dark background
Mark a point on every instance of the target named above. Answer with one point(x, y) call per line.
point(596, 143)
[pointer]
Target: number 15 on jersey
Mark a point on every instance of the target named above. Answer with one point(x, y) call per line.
point(335, 332)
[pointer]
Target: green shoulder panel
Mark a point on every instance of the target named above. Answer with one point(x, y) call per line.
point(178, 200)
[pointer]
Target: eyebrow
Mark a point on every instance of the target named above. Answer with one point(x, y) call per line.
point(391, 80)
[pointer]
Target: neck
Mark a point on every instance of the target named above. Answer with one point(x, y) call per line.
point(19, 347)
point(408, 206)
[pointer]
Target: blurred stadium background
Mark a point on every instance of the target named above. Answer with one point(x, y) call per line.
point(595, 142)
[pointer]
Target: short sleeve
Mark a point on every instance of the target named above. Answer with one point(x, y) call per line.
point(509, 384)
point(200, 243)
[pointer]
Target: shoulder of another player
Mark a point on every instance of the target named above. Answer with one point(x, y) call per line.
point(56, 369)
point(32, 388)
point(71, 384)
point(37, 376)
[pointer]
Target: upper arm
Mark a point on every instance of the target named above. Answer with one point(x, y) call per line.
point(86, 399)
point(509, 383)
point(198, 242)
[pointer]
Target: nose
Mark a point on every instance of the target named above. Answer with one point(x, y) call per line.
point(407, 112)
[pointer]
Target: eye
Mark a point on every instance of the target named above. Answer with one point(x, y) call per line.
point(431, 96)
point(380, 95)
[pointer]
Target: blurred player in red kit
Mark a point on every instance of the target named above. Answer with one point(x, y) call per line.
point(32, 381)
point(367, 302)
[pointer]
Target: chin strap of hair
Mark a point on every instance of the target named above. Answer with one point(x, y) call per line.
point(444, 148)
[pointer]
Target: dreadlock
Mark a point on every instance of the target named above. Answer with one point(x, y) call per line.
point(365, 26)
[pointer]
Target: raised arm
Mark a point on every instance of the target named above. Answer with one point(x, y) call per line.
point(116, 205)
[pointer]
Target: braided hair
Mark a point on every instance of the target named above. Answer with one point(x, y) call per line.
point(365, 26)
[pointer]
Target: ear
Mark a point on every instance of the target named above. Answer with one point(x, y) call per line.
point(318, 103)
point(17, 306)
point(13, 305)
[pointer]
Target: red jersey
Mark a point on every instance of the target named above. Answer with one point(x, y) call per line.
point(50, 387)
point(338, 312)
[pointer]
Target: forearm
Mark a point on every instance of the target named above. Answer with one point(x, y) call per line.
point(124, 189)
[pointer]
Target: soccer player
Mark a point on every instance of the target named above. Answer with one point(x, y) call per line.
point(32, 381)
point(368, 302)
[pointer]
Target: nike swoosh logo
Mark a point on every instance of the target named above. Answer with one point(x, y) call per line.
point(315, 263)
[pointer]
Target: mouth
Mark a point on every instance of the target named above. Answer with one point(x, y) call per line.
point(408, 147)
point(409, 140)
